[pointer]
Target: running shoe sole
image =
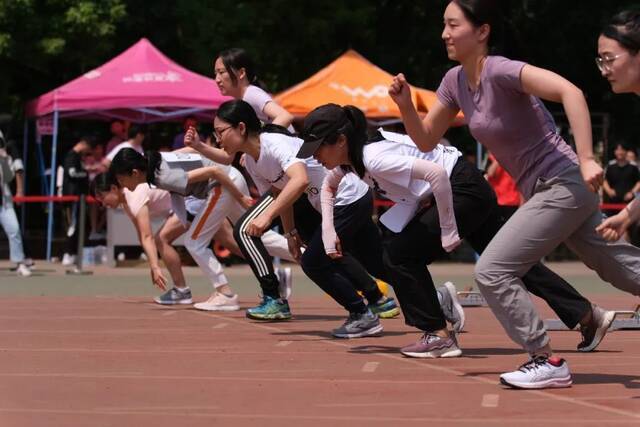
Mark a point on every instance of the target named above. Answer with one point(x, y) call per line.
point(206, 307)
point(279, 316)
point(551, 383)
point(600, 332)
point(372, 331)
point(434, 354)
point(182, 301)
point(389, 314)
point(457, 327)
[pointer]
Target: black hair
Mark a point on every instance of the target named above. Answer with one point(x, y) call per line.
point(134, 130)
point(234, 59)
point(102, 183)
point(353, 126)
point(128, 159)
point(624, 28)
point(238, 111)
point(490, 12)
point(623, 144)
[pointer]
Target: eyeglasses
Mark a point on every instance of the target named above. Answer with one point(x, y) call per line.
point(218, 132)
point(604, 64)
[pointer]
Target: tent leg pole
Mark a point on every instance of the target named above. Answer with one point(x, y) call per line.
point(52, 184)
point(25, 161)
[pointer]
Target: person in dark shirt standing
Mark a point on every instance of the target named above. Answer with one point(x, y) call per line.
point(75, 183)
point(622, 178)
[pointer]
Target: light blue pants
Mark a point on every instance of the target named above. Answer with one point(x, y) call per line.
point(9, 222)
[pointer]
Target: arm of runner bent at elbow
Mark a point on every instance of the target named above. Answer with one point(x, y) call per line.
point(277, 114)
point(550, 86)
point(298, 182)
point(218, 155)
point(327, 201)
point(426, 133)
point(437, 177)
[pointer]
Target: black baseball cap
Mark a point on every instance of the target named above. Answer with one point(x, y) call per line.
point(320, 124)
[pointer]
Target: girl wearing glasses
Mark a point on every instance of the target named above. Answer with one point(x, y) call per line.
point(283, 179)
point(619, 62)
point(501, 101)
point(226, 195)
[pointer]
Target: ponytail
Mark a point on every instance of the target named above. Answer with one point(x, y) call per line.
point(153, 165)
point(238, 111)
point(356, 132)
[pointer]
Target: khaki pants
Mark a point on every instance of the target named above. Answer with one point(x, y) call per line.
point(562, 209)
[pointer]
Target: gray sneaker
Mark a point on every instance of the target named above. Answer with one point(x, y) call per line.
point(594, 332)
point(359, 325)
point(451, 307)
point(174, 296)
point(433, 346)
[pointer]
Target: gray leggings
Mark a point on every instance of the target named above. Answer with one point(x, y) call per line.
point(562, 209)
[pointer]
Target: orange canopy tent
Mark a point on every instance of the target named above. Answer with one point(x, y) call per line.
point(351, 79)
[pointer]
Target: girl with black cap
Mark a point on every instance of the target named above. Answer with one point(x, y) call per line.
point(393, 165)
point(282, 178)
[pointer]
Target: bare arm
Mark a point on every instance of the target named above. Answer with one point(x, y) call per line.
point(428, 132)
point(550, 86)
point(327, 200)
point(298, 182)
point(142, 221)
point(277, 114)
point(192, 141)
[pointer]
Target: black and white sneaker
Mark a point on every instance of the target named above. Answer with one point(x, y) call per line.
point(359, 325)
point(174, 296)
point(594, 332)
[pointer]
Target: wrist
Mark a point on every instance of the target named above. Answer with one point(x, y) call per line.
point(291, 233)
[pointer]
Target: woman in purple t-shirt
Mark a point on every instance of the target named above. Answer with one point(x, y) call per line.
point(500, 99)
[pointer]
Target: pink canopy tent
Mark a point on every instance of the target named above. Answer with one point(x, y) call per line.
point(141, 85)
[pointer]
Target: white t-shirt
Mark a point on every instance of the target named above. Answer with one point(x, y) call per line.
point(158, 201)
point(258, 99)
point(389, 162)
point(278, 152)
point(126, 144)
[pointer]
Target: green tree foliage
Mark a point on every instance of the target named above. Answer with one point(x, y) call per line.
point(48, 42)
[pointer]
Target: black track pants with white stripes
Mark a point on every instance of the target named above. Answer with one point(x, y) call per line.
point(253, 249)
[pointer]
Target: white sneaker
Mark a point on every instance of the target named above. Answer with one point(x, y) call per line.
point(68, 260)
point(539, 372)
point(23, 270)
point(285, 279)
point(219, 302)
